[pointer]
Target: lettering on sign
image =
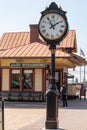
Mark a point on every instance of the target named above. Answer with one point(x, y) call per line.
point(29, 65)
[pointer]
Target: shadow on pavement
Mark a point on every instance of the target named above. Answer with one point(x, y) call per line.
point(38, 125)
point(72, 104)
point(75, 104)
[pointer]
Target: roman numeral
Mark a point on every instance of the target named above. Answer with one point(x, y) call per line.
point(57, 34)
point(62, 26)
point(42, 26)
point(60, 31)
point(44, 31)
point(52, 36)
point(44, 21)
point(47, 34)
point(57, 17)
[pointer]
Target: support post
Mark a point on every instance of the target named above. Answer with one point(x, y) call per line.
point(2, 114)
point(52, 98)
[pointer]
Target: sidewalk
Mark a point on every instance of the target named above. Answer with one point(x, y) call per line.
point(31, 116)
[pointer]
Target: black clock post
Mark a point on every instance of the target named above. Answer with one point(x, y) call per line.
point(53, 27)
point(52, 96)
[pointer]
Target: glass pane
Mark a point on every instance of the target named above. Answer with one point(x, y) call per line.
point(27, 71)
point(15, 71)
point(15, 82)
point(28, 79)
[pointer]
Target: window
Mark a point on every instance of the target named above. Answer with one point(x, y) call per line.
point(22, 79)
point(28, 79)
point(15, 82)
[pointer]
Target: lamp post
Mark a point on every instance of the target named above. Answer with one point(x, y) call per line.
point(53, 27)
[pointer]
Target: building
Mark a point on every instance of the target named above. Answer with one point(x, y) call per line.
point(25, 63)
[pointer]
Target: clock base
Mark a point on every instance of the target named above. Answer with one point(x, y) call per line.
point(53, 129)
point(53, 125)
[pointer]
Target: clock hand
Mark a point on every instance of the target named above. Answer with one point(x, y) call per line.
point(50, 23)
point(56, 24)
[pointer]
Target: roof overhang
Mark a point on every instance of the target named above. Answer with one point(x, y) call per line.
point(30, 53)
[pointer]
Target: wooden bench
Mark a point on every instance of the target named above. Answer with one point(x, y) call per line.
point(15, 96)
point(30, 96)
point(4, 95)
point(25, 95)
point(36, 96)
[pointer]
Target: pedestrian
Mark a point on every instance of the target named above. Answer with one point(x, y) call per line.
point(64, 96)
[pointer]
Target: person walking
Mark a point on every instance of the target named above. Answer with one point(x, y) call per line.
point(64, 96)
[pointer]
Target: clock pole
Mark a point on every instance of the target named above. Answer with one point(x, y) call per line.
point(53, 27)
point(52, 96)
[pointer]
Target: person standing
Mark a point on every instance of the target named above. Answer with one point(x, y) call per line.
point(64, 96)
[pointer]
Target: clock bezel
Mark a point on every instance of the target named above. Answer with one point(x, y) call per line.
point(57, 40)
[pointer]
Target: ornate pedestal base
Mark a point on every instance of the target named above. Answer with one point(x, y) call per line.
point(53, 129)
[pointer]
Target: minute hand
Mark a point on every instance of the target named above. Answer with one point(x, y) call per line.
point(56, 24)
point(50, 23)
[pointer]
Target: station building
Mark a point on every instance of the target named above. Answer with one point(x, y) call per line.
point(25, 63)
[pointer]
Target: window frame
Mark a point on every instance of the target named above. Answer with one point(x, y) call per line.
point(13, 89)
point(33, 80)
point(21, 88)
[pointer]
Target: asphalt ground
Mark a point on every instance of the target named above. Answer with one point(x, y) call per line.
point(32, 116)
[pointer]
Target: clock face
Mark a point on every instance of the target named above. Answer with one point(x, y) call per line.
point(52, 26)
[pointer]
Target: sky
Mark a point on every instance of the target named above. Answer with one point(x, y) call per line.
point(17, 15)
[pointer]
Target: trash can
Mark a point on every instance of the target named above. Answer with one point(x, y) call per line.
point(83, 92)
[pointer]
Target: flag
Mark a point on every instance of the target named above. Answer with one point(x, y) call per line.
point(82, 52)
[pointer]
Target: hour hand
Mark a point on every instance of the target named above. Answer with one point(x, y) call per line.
point(50, 23)
point(55, 24)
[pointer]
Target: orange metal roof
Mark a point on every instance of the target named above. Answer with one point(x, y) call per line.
point(69, 41)
point(31, 50)
point(16, 39)
point(18, 45)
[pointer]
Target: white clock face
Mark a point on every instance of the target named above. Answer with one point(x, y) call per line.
point(52, 26)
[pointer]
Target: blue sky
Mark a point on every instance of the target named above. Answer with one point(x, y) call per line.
point(16, 15)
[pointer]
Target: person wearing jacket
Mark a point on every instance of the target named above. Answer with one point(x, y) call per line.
point(64, 96)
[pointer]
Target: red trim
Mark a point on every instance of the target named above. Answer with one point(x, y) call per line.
point(0, 79)
point(21, 83)
point(43, 80)
point(10, 89)
point(33, 88)
point(9, 79)
point(21, 72)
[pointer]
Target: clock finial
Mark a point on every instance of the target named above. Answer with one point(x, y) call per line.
point(53, 7)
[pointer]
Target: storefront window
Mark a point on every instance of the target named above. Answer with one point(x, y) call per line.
point(28, 79)
point(15, 82)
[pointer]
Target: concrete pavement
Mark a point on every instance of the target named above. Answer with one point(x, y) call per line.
point(31, 116)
